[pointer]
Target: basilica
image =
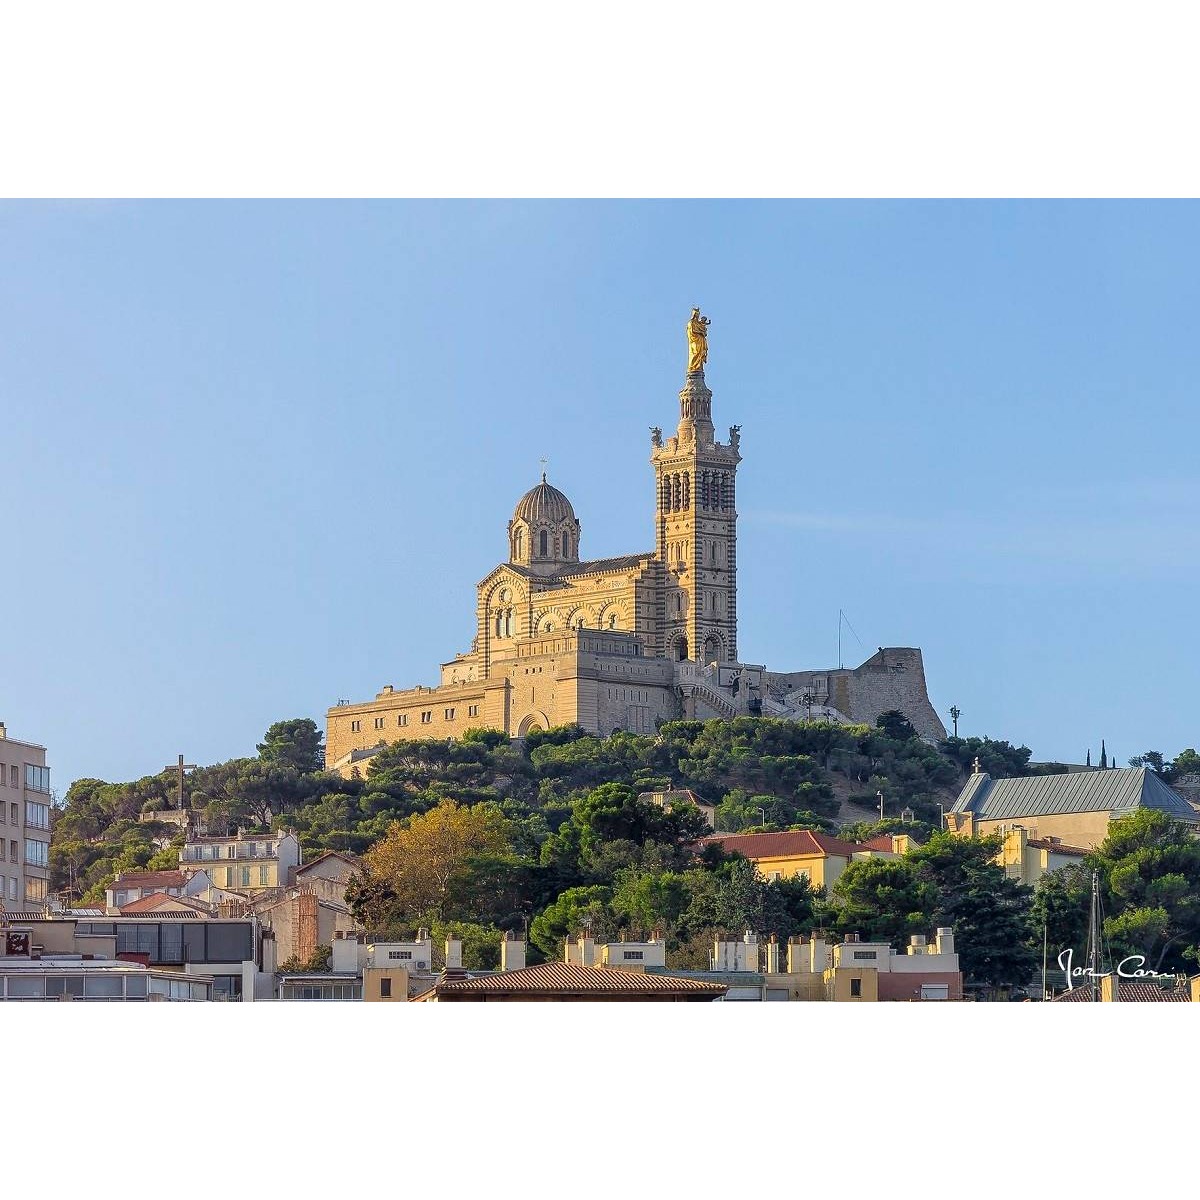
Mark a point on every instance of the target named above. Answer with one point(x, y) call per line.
point(629, 642)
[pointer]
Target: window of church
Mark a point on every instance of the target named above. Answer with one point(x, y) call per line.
point(543, 544)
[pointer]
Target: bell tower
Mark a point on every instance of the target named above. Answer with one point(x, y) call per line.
point(696, 521)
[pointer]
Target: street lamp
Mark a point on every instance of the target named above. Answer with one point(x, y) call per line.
point(880, 796)
point(763, 813)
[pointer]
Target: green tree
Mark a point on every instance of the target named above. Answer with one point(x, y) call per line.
point(989, 913)
point(896, 725)
point(1150, 867)
point(576, 909)
point(296, 743)
point(882, 899)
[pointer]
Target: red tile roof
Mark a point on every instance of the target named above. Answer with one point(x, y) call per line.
point(145, 879)
point(567, 979)
point(1132, 991)
point(792, 843)
point(881, 842)
point(1057, 847)
point(348, 859)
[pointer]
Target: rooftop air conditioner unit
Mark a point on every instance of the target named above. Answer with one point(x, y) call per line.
point(422, 966)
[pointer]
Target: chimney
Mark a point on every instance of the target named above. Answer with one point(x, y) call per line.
point(1110, 988)
point(795, 956)
point(944, 942)
point(453, 952)
point(304, 944)
point(581, 952)
point(3, 731)
point(773, 956)
point(512, 952)
point(917, 944)
point(345, 951)
point(818, 954)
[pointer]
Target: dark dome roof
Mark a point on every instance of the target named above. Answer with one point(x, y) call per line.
point(544, 505)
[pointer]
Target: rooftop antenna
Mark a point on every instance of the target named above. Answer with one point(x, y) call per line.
point(844, 620)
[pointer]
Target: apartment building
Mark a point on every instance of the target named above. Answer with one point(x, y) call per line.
point(24, 822)
point(246, 863)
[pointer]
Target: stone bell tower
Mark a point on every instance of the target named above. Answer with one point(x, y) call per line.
point(696, 521)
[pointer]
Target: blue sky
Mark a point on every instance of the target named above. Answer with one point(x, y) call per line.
point(256, 455)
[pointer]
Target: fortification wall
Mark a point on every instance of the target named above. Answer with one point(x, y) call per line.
point(892, 678)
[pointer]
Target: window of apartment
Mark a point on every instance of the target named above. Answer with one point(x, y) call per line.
point(402, 719)
point(245, 877)
point(14, 813)
point(35, 890)
point(449, 714)
point(385, 989)
point(3, 811)
point(426, 717)
point(399, 954)
point(355, 726)
point(634, 955)
point(37, 816)
point(3, 776)
point(262, 876)
point(13, 777)
point(12, 888)
point(856, 987)
point(37, 853)
point(861, 954)
point(37, 779)
point(379, 722)
point(472, 710)
point(14, 853)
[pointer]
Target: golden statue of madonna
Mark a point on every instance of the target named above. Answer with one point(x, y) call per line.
point(697, 334)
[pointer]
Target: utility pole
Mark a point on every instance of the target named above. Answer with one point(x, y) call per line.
point(955, 713)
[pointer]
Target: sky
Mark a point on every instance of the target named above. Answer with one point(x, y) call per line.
point(256, 455)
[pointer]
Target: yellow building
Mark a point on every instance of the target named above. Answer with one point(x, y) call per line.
point(1027, 859)
point(628, 642)
point(1076, 808)
point(817, 856)
point(243, 862)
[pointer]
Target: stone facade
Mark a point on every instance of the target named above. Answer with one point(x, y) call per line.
point(622, 643)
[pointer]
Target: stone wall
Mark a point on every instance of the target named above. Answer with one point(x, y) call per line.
point(892, 678)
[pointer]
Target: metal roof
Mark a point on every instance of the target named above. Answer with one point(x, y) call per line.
point(1121, 790)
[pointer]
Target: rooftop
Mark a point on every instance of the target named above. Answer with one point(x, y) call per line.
point(567, 979)
point(144, 879)
point(792, 843)
point(1120, 791)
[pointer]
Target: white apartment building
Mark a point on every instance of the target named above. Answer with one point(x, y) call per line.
point(24, 823)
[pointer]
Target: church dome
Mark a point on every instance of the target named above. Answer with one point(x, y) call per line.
point(544, 505)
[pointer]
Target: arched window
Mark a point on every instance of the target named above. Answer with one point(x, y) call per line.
point(712, 553)
point(518, 543)
point(499, 624)
point(508, 623)
point(612, 620)
point(666, 493)
point(702, 489)
point(687, 489)
point(681, 650)
point(543, 544)
point(676, 492)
